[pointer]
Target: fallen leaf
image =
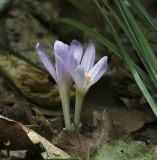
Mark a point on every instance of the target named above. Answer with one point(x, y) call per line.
point(20, 137)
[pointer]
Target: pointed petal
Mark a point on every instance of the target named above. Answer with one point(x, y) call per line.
point(76, 49)
point(78, 77)
point(61, 49)
point(44, 59)
point(88, 57)
point(98, 70)
point(64, 78)
point(71, 63)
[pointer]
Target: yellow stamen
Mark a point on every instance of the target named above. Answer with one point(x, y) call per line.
point(88, 79)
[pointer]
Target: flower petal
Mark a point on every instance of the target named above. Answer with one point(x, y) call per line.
point(88, 57)
point(64, 78)
point(44, 59)
point(77, 50)
point(98, 70)
point(61, 49)
point(78, 77)
point(71, 63)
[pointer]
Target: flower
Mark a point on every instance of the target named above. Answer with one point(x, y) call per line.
point(81, 66)
point(83, 71)
point(59, 74)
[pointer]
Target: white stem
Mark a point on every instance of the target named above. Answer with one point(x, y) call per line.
point(64, 94)
point(78, 107)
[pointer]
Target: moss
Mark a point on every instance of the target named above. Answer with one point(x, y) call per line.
point(124, 150)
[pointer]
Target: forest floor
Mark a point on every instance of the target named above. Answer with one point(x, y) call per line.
point(117, 122)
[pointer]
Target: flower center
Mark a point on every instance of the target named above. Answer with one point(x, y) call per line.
point(87, 79)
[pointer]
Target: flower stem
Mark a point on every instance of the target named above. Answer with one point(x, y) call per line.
point(78, 106)
point(64, 94)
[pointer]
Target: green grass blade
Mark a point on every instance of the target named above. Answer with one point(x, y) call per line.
point(118, 40)
point(139, 42)
point(141, 85)
point(144, 51)
point(110, 26)
point(91, 32)
point(143, 13)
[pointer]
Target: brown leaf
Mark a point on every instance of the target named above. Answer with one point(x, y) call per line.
point(15, 136)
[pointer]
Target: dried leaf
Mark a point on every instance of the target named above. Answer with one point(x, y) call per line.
point(21, 138)
point(30, 81)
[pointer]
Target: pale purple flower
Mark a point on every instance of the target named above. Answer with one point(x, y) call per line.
point(81, 66)
point(83, 71)
point(59, 74)
point(57, 69)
